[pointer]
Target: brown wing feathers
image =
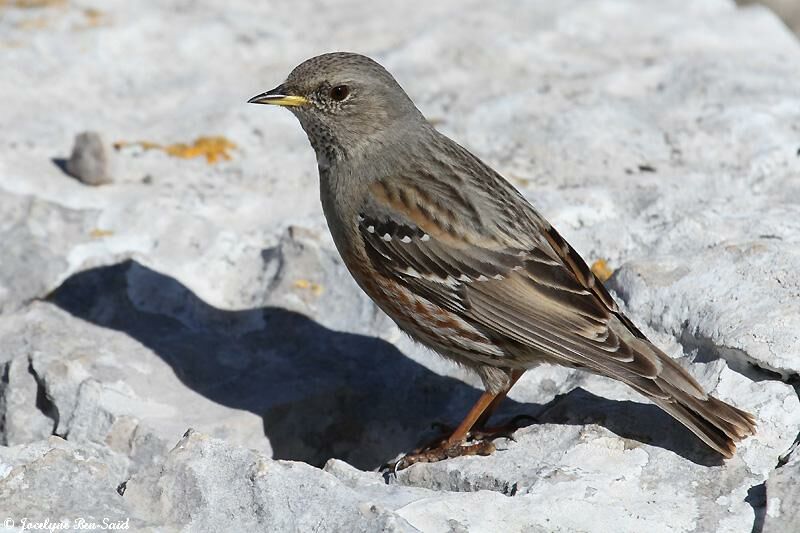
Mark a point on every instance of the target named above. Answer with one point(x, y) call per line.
point(539, 301)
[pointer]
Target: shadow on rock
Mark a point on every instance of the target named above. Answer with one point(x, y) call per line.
point(321, 393)
point(635, 422)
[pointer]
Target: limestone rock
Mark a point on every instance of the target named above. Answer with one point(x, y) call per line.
point(660, 137)
point(783, 498)
point(207, 485)
point(58, 482)
point(750, 320)
point(95, 386)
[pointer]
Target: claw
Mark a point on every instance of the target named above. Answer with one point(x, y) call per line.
point(440, 453)
point(476, 442)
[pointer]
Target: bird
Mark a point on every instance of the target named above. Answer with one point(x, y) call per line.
point(460, 260)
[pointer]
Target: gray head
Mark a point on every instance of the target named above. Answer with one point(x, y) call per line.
point(344, 102)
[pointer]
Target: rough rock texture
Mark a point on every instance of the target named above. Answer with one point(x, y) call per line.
point(661, 136)
point(783, 498)
point(57, 480)
point(205, 484)
point(788, 10)
point(679, 294)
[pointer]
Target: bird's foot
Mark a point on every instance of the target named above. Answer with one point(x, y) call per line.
point(478, 441)
point(443, 451)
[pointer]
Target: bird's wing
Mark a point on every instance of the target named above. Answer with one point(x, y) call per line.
point(530, 291)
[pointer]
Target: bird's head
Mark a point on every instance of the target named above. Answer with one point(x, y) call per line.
point(344, 101)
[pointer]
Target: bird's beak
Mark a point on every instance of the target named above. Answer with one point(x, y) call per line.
point(278, 96)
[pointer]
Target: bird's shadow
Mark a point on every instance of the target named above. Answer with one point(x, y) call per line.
point(321, 393)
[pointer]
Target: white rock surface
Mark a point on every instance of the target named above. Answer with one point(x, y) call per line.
point(205, 484)
point(783, 507)
point(58, 482)
point(788, 10)
point(754, 318)
point(660, 136)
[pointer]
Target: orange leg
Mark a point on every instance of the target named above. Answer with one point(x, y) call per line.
point(492, 407)
point(473, 416)
point(453, 446)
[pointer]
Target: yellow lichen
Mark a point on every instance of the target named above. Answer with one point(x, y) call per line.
point(36, 23)
point(307, 285)
point(520, 180)
point(94, 17)
point(98, 233)
point(36, 19)
point(212, 148)
point(601, 269)
point(26, 4)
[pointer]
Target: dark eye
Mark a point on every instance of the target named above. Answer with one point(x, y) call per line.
point(340, 92)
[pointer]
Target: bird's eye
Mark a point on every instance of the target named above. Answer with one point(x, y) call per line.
point(340, 92)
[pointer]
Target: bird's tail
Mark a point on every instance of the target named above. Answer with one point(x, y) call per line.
point(715, 422)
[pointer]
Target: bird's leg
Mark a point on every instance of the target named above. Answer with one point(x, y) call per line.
point(479, 427)
point(489, 411)
point(454, 445)
point(474, 414)
point(481, 431)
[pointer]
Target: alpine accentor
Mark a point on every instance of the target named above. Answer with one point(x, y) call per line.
point(461, 261)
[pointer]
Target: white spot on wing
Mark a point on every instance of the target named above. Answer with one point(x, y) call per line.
point(408, 271)
point(406, 239)
point(387, 237)
point(449, 281)
point(371, 229)
point(425, 238)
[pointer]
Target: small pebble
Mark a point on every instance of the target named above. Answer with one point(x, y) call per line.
point(89, 160)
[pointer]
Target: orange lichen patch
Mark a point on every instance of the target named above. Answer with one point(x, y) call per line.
point(93, 16)
point(25, 4)
point(98, 233)
point(601, 269)
point(94, 19)
point(34, 20)
point(520, 180)
point(36, 23)
point(304, 284)
point(213, 149)
point(147, 145)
